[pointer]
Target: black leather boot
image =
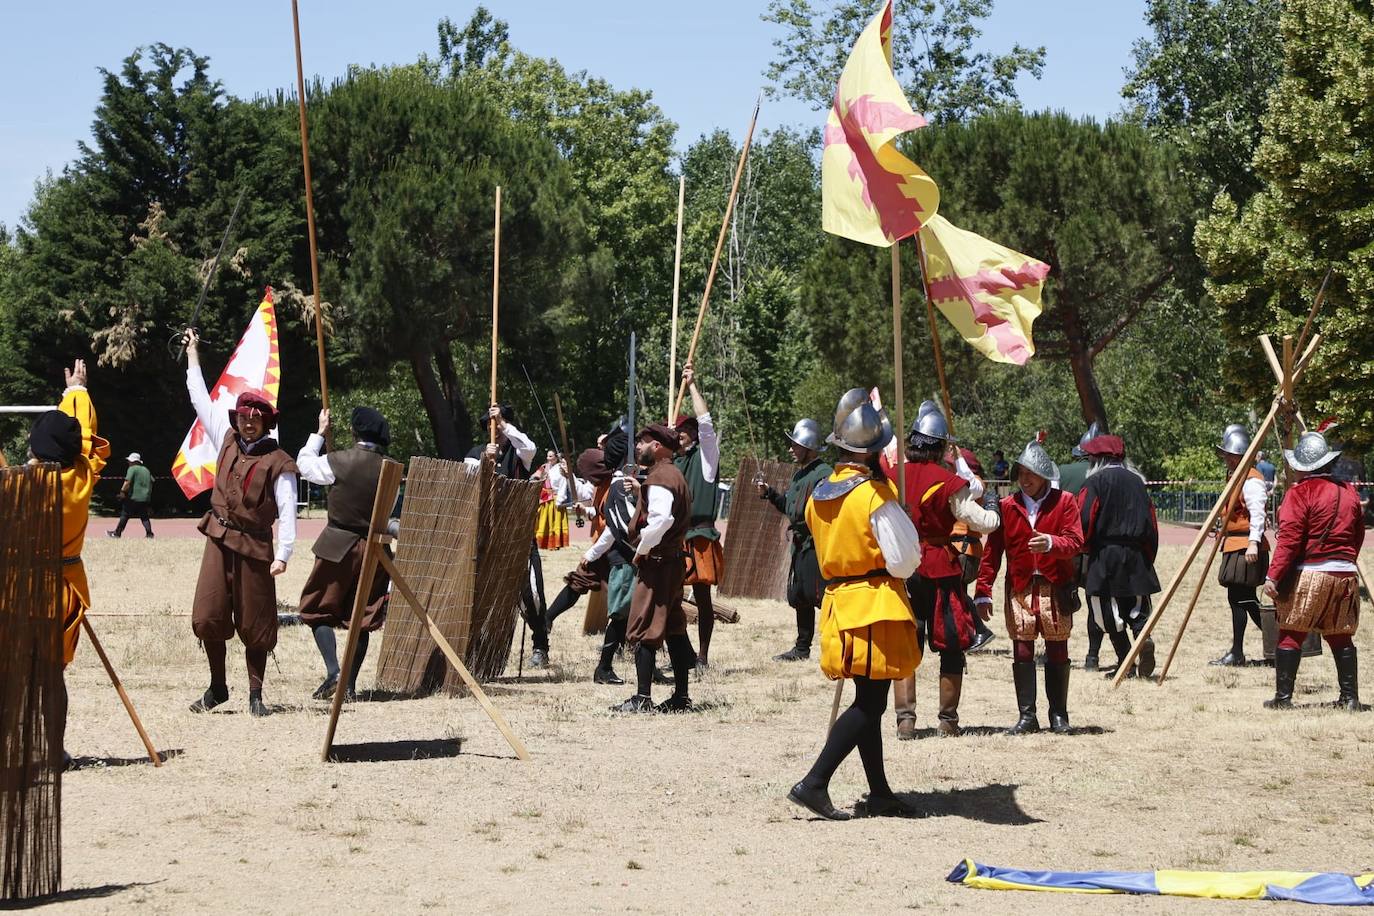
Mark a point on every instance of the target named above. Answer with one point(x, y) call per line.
point(1023, 676)
point(1057, 697)
point(1286, 663)
point(1348, 679)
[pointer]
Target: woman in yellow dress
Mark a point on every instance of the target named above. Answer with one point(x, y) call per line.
point(551, 524)
point(867, 547)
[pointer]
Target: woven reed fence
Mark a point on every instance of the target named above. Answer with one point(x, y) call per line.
point(464, 549)
point(757, 540)
point(32, 698)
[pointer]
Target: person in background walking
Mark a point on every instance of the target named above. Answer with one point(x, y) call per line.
point(134, 497)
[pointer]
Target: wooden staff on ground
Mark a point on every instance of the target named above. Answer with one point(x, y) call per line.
point(310, 212)
point(715, 259)
point(119, 689)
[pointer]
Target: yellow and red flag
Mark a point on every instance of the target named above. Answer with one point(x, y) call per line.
point(255, 365)
point(990, 293)
point(870, 192)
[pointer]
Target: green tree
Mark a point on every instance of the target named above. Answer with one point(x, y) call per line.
point(1316, 161)
point(1200, 82)
point(407, 170)
point(933, 54)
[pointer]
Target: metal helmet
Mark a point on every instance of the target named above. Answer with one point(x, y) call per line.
point(1235, 439)
point(1035, 459)
point(1311, 453)
point(807, 434)
point(859, 426)
point(931, 422)
point(1092, 433)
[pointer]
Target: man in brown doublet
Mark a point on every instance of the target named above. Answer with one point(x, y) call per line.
point(656, 615)
point(327, 598)
point(255, 485)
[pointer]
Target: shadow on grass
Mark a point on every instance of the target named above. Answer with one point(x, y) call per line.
point(990, 804)
point(75, 893)
point(395, 751)
point(100, 763)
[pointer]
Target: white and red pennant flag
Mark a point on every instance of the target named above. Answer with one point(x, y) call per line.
point(255, 365)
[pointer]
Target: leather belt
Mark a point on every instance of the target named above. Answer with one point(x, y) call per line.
point(864, 577)
point(260, 533)
point(71, 561)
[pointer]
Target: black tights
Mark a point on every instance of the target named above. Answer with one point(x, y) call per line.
point(215, 652)
point(1243, 604)
point(1095, 635)
point(564, 601)
point(706, 619)
point(615, 636)
point(683, 658)
point(859, 726)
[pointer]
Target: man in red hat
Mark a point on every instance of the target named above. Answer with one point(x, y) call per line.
point(1120, 539)
point(661, 520)
point(699, 461)
point(255, 485)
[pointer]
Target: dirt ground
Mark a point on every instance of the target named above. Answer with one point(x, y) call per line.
point(673, 813)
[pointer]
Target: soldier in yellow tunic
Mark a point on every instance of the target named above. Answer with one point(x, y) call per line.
point(67, 436)
point(867, 548)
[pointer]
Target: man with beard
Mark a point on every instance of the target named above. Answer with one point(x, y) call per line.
point(804, 574)
point(1121, 540)
point(660, 524)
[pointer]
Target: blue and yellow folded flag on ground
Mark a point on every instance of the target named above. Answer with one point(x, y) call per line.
point(1326, 888)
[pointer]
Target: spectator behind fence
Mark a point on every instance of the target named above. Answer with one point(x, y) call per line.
point(1266, 469)
point(134, 496)
point(1000, 468)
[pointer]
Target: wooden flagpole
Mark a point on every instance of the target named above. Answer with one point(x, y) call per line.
point(310, 213)
point(495, 305)
point(715, 259)
point(897, 369)
point(677, 279)
point(119, 689)
point(934, 335)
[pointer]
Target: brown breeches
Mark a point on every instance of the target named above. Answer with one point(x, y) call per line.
point(235, 594)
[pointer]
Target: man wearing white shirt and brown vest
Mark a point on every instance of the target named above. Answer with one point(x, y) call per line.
point(656, 615)
point(327, 598)
point(255, 485)
point(1244, 550)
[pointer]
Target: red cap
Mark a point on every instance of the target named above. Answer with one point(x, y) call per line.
point(1105, 447)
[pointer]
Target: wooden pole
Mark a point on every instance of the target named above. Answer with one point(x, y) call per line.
point(310, 212)
point(935, 336)
point(119, 689)
point(897, 369)
point(835, 704)
point(1233, 483)
point(715, 259)
point(495, 305)
point(677, 279)
point(438, 636)
point(388, 484)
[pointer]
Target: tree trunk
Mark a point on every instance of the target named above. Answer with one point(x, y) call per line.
point(453, 393)
point(446, 438)
point(1080, 357)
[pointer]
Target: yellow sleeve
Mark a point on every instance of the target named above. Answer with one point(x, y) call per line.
point(76, 403)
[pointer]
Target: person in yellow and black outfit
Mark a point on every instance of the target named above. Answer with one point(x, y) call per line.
point(867, 547)
point(67, 437)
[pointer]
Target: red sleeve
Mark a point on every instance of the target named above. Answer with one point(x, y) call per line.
point(1067, 541)
point(992, 559)
point(1292, 536)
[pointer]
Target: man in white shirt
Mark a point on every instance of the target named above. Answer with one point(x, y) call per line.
point(699, 461)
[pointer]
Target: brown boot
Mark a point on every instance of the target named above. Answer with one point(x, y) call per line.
point(951, 686)
point(904, 704)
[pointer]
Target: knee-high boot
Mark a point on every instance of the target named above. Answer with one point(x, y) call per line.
point(1057, 696)
point(1286, 662)
point(1023, 676)
point(904, 704)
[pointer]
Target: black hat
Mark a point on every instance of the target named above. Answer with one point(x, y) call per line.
point(616, 448)
point(56, 436)
point(370, 426)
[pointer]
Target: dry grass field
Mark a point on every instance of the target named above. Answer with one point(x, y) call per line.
point(672, 813)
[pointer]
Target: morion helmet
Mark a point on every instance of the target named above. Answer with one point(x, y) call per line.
point(859, 426)
point(1235, 439)
point(1311, 453)
point(807, 434)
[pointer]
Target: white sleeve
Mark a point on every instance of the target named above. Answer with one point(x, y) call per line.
point(966, 509)
point(523, 444)
point(216, 422)
point(314, 467)
point(473, 462)
point(660, 519)
point(285, 492)
point(598, 549)
point(1255, 495)
point(709, 442)
point(897, 539)
point(975, 483)
point(586, 491)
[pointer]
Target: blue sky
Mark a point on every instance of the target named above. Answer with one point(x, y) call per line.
point(703, 60)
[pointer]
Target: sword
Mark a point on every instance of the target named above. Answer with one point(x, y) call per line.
point(180, 337)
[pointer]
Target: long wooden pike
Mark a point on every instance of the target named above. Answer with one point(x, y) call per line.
point(715, 259)
point(677, 279)
point(310, 210)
